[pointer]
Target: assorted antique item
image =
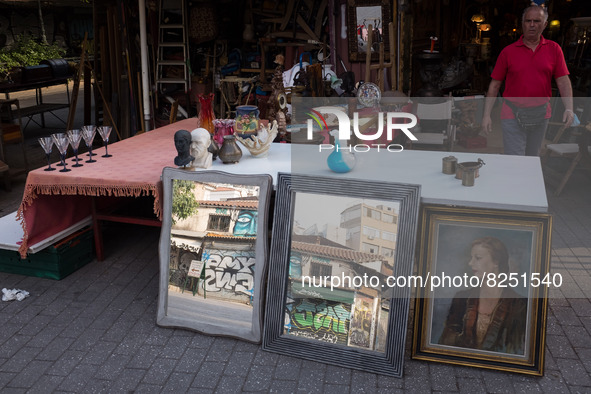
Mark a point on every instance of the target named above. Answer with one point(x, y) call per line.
point(259, 144)
point(496, 319)
point(349, 324)
point(213, 252)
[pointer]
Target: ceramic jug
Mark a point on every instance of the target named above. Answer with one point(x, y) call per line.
point(247, 119)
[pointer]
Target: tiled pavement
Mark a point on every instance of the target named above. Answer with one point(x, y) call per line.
point(95, 330)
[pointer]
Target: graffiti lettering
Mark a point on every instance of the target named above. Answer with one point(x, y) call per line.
point(230, 274)
point(321, 317)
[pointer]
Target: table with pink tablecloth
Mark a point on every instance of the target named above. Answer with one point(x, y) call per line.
point(53, 200)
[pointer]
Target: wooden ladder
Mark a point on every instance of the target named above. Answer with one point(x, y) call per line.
point(172, 40)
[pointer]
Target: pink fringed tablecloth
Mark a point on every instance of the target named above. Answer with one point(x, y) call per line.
point(53, 200)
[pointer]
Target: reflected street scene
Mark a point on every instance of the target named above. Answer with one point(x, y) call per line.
point(212, 253)
point(342, 250)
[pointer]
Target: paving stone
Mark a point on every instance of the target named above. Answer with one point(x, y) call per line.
point(259, 378)
point(5, 378)
point(284, 386)
point(149, 388)
point(178, 382)
point(191, 361)
point(145, 356)
point(442, 378)
point(99, 353)
point(200, 341)
point(239, 364)
point(552, 382)
point(175, 348)
point(223, 349)
point(46, 384)
point(45, 337)
point(97, 386)
point(54, 350)
point(114, 365)
point(582, 307)
point(230, 384)
point(573, 372)
point(566, 316)
point(331, 388)
point(13, 345)
point(287, 368)
point(469, 385)
point(209, 375)
point(160, 370)
point(389, 382)
point(77, 379)
point(363, 382)
point(66, 363)
point(128, 380)
point(265, 358)
point(578, 337)
point(337, 375)
point(30, 373)
point(560, 347)
point(20, 359)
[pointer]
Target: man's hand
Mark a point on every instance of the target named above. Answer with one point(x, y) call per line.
point(486, 125)
point(568, 117)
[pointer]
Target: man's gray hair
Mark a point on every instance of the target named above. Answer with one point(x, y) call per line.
point(535, 7)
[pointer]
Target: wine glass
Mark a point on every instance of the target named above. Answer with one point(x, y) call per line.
point(75, 136)
point(104, 132)
point(61, 141)
point(47, 145)
point(88, 136)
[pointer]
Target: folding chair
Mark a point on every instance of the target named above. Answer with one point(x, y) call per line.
point(436, 128)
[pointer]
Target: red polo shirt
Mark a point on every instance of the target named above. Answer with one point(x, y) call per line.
point(529, 73)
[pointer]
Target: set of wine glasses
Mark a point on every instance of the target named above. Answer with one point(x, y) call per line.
point(73, 137)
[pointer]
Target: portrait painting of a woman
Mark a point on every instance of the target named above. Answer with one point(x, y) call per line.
point(491, 317)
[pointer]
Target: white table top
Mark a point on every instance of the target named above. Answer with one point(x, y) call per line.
point(505, 182)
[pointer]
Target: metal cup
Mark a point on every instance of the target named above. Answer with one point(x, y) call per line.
point(449, 165)
point(468, 176)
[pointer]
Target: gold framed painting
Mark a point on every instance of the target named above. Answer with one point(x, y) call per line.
point(485, 277)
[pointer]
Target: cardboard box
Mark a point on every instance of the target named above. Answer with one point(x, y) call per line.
point(55, 261)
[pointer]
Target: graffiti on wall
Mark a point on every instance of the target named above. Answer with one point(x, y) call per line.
point(229, 274)
point(322, 320)
point(362, 317)
point(246, 223)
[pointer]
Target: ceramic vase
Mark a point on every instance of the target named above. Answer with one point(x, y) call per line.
point(230, 152)
point(206, 115)
point(247, 120)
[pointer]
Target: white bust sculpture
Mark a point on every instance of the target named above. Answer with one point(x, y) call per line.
point(200, 141)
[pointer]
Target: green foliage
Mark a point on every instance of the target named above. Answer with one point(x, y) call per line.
point(26, 51)
point(183, 200)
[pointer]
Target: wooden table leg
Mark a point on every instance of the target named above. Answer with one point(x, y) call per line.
point(98, 236)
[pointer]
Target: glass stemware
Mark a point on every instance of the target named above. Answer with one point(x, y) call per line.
point(75, 136)
point(104, 132)
point(47, 145)
point(61, 141)
point(88, 133)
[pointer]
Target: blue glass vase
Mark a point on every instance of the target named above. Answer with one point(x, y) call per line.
point(341, 161)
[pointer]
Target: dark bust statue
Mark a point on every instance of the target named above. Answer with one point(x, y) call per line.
point(182, 142)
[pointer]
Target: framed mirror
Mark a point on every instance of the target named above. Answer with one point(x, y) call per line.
point(361, 14)
point(213, 252)
point(336, 241)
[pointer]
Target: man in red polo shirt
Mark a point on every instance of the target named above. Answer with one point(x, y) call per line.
point(527, 67)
